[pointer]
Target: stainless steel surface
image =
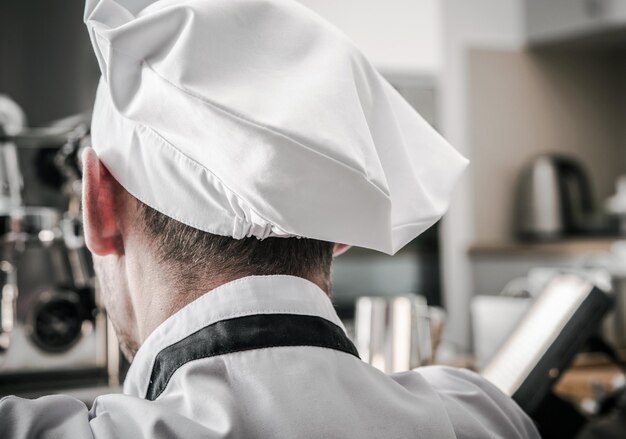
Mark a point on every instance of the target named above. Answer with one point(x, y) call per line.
point(8, 300)
point(30, 223)
point(53, 330)
point(437, 318)
point(392, 333)
point(55, 326)
point(12, 117)
point(18, 227)
point(10, 178)
point(553, 199)
point(539, 211)
point(48, 68)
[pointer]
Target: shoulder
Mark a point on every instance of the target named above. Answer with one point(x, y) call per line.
point(119, 415)
point(113, 415)
point(474, 405)
point(46, 417)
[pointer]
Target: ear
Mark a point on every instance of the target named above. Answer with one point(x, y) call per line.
point(340, 249)
point(102, 233)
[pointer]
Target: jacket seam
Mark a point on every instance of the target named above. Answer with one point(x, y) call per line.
point(198, 165)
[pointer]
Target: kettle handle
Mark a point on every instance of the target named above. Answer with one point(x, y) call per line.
point(573, 171)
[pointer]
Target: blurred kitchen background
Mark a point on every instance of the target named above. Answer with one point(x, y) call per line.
point(533, 92)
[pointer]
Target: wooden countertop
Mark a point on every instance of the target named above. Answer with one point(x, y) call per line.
point(589, 373)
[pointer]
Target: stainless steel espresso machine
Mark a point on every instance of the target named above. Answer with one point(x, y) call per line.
point(53, 331)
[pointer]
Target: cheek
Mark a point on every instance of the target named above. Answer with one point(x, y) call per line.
point(116, 298)
point(114, 290)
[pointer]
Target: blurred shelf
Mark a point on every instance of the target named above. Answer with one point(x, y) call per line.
point(575, 23)
point(570, 247)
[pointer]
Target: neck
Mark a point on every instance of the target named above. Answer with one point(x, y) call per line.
point(163, 295)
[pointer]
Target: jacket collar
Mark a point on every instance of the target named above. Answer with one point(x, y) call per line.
point(243, 297)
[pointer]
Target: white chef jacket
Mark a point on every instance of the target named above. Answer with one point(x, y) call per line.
point(267, 357)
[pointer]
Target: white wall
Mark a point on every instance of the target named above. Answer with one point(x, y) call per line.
point(396, 35)
point(476, 23)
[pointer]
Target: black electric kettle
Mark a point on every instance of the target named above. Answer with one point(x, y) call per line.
point(554, 199)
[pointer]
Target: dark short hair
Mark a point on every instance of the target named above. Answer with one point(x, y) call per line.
point(196, 251)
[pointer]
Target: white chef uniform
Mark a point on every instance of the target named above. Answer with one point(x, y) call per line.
point(267, 357)
point(256, 118)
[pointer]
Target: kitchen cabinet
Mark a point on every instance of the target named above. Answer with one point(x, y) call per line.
point(575, 21)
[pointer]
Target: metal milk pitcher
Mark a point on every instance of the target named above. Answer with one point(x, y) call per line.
point(392, 333)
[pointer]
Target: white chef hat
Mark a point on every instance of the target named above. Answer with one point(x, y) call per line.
point(258, 118)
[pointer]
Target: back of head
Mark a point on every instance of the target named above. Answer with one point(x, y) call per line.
point(192, 254)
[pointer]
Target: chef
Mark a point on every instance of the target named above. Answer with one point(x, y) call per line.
point(237, 146)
